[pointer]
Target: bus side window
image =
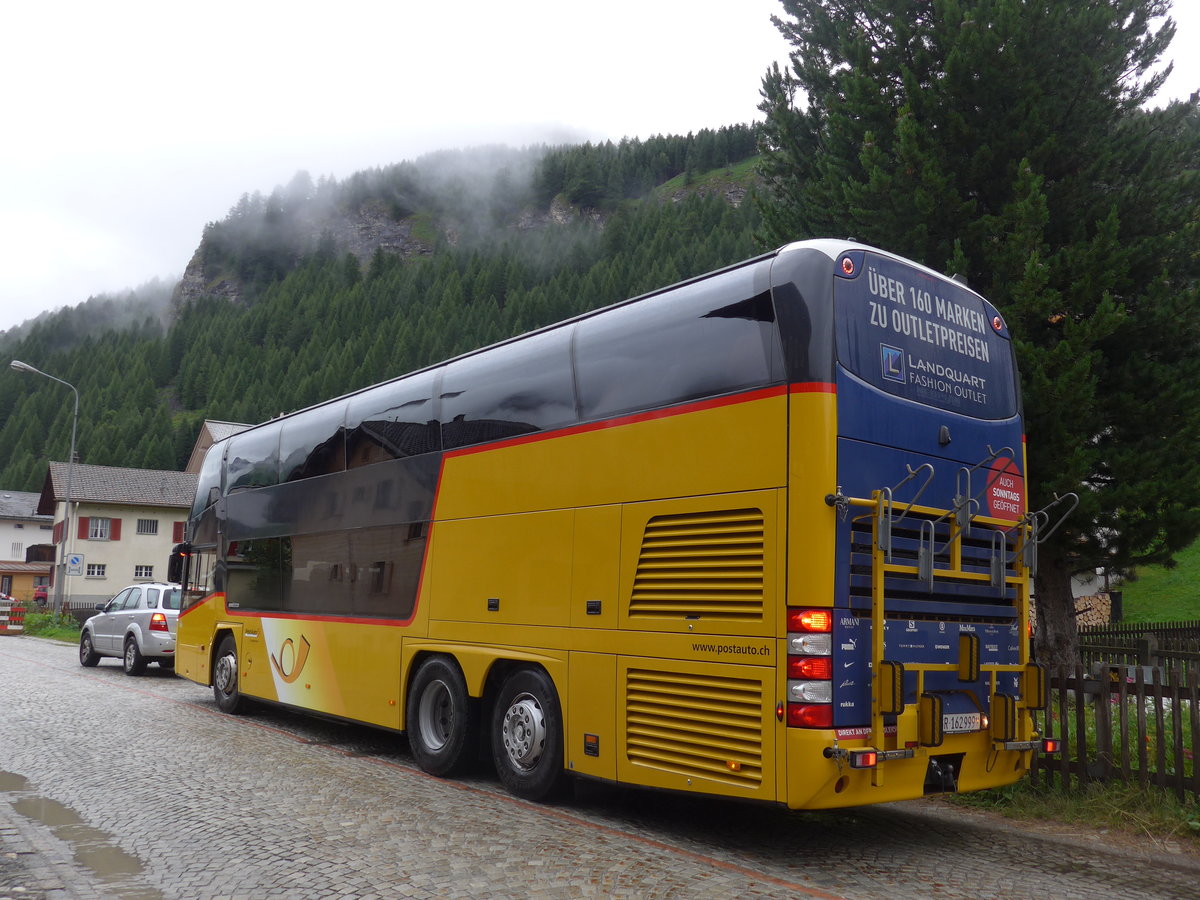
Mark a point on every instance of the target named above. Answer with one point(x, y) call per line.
point(511, 390)
point(388, 568)
point(319, 579)
point(314, 444)
point(396, 420)
point(208, 487)
point(252, 459)
point(200, 575)
point(256, 571)
point(701, 340)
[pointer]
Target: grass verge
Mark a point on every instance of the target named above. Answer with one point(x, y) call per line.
point(1115, 807)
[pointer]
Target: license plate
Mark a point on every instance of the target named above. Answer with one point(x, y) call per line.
point(957, 723)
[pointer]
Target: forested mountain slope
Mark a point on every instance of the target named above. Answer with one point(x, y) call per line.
point(323, 288)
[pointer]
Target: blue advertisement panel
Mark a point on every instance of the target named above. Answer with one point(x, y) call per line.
point(915, 335)
point(913, 642)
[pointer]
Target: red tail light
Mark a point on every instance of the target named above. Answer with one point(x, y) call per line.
point(158, 622)
point(811, 620)
point(803, 715)
point(810, 668)
point(1051, 745)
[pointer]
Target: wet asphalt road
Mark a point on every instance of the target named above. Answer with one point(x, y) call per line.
point(139, 788)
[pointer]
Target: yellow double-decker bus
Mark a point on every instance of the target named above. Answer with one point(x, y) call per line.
point(761, 534)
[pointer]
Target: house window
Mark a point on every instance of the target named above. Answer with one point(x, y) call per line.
point(143, 571)
point(147, 526)
point(96, 570)
point(18, 525)
point(46, 527)
point(17, 549)
point(98, 528)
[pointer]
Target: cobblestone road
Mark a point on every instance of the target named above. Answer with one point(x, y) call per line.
point(139, 789)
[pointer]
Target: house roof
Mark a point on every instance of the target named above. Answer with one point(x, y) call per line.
point(110, 484)
point(19, 505)
point(25, 568)
point(211, 432)
point(218, 431)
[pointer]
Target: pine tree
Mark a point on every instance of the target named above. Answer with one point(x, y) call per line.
point(1010, 141)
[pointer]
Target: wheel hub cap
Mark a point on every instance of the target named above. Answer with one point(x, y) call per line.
point(524, 731)
point(224, 676)
point(435, 716)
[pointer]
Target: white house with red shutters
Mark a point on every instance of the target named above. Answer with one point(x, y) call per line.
point(121, 528)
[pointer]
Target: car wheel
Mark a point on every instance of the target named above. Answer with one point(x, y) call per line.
point(134, 662)
point(87, 653)
point(225, 677)
point(527, 742)
point(442, 720)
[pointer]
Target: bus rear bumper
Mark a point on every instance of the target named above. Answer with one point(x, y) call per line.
point(837, 774)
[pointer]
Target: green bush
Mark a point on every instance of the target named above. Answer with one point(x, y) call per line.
point(45, 623)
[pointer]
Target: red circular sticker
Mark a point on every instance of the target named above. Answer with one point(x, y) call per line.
point(1005, 490)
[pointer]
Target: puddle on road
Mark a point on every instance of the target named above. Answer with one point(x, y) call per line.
point(93, 849)
point(48, 812)
point(11, 782)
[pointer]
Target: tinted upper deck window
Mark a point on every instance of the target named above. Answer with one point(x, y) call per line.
point(208, 485)
point(393, 421)
point(514, 389)
point(313, 443)
point(712, 337)
point(252, 459)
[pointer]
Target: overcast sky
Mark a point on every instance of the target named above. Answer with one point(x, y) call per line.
point(129, 125)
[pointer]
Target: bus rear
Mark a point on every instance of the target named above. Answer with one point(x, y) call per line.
point(908, 670)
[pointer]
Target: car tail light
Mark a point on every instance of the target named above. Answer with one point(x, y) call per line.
point(158, 622)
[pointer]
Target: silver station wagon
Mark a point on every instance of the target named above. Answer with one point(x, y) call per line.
point(137, 626)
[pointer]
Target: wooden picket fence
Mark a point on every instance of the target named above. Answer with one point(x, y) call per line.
point(1171, 646)
point(1139, 724)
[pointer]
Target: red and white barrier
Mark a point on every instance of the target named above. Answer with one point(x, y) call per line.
point(12, 618)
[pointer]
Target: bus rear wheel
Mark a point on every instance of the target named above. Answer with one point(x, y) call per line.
point(441, 719)
point(527, 742)
point(225, 677)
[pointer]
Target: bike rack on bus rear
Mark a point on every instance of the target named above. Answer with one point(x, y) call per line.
point(920, 724)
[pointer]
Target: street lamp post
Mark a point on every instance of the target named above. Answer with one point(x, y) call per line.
point(60, 581)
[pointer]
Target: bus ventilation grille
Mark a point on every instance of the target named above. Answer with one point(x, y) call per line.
point(708, 565)
point(695, 725)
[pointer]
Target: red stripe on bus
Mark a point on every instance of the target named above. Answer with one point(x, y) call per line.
point(300, 617)
point(667, 412)
point(813, 387)
point(221, 597)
